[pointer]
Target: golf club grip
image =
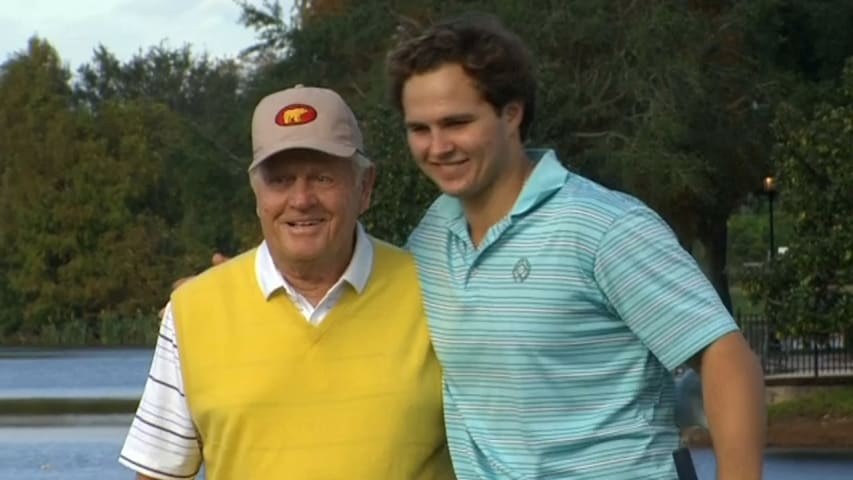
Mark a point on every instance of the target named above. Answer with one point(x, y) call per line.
point(684, 464)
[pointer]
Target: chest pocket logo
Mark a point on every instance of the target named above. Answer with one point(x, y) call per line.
point(521, 270)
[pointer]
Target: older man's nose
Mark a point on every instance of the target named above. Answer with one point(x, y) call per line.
point(302, 194)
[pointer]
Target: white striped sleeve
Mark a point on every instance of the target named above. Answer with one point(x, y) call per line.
point(162, 441)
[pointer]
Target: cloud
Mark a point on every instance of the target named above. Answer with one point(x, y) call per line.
point(155, 9)
point(124, 27)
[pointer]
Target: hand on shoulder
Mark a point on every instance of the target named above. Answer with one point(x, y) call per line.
point(217, 259)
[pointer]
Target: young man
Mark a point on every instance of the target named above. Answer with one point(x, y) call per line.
point(307, 357)
point(557, 308)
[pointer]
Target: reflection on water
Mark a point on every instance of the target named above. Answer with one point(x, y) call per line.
point(64, 447)
point(68, 447)
point(55, 426)
point(79, 447)
point(61, 452)
point(781, 464)
point(73, 373)
point(75, 451)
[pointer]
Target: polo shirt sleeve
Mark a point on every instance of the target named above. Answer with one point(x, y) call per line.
point(162, 441)
point(657, 288)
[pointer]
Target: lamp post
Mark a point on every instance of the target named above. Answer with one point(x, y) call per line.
point(770, 191)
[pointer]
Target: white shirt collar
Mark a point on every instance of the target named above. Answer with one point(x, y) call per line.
point(357, 272)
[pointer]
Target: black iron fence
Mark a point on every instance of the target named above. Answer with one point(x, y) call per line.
point(782, 355)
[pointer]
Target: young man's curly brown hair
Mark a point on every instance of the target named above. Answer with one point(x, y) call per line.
point(495, 58)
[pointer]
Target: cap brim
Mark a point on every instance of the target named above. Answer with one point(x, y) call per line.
point(336, 149)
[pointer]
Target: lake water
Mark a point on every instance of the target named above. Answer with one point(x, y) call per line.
point(54, 452)
point(77, 373)
point(86, 447)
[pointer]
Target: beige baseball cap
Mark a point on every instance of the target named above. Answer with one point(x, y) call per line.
point(304, 117)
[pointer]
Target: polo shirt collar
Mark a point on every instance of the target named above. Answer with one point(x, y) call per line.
point(548, 176)
point(357, 273)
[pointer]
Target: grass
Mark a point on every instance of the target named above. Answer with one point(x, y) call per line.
point(826, 403)
point(107, 331)
point(67, 406)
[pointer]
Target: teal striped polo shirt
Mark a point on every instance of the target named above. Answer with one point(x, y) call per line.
point(558, 333)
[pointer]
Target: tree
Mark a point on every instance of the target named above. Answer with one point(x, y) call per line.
point(664, 127)
point(344, 50)
point(112, 190)
point(35, 128)
point(646, 97)
point(809, 290)
point(208, 194)
point(749, 232)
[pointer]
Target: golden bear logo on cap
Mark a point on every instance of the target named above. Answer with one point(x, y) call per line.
point(295, 114)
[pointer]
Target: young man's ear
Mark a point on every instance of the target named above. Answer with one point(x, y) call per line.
point(513, 113)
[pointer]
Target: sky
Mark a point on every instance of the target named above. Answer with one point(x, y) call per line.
point(76, 27)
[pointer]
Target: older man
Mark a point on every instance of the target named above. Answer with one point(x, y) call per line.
point(309, 356)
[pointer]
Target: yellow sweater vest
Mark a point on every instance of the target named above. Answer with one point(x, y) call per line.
point(273, 397)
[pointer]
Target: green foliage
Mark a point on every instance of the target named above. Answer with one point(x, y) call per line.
point(615, 107)
point(345, 52)
point(113, 190)
point(749, 233)
point(113, 186)
point(808, 38)
point(809, 290)
point(825, 403)
point(743, 306)
point(35, 126)
point(204, 189)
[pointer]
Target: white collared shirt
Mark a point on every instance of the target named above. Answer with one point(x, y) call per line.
point(162, 440)
point(356, 275)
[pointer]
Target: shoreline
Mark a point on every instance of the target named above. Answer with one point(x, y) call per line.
point(56, 406)
point(793, 433)
point(783, 432)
